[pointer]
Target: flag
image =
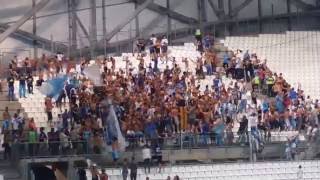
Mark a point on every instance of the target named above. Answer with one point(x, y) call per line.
point(113, 131)
point(93, 73)
point(53, 87)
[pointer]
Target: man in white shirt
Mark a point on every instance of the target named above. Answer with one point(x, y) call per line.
point(15, 123)
point(153, 39)
point(146, 155)
point(164, 48)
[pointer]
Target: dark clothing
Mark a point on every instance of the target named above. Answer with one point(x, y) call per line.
point(125, 172)
point(146, 165)
point(22, 81)
point(39, 82)
point(133, 170)
point(10, 82)
point(82, 174)
point(30, 84)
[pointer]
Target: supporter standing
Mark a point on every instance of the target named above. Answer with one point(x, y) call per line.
point(103, 175)
point(7, 140)
point(42, 140)
point(133, 169)
point(32, 141)
point(10, 81)
point(6, 120)
point(30, 83)
point(124, 169)
point(146, 154)
point(22, 86)
point(82, 174)
point(140, 46)
point(94, 172)
point(48, 108)
point(164, 48)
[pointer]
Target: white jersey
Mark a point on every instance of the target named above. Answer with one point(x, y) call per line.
point(164, 42)
point(146, 153)
point(252, 121)
point(154, 40)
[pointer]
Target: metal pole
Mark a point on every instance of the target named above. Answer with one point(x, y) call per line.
point(93, 29)
point(289, 12)
point(104, 28)
point(34, 31)
point(74, 26)
point(200, 18)
point(104, 19)
point(137, 21)
point(259, 16)
point(168, 23)
point(70, 26)
point(229, 29)
point(52, 46)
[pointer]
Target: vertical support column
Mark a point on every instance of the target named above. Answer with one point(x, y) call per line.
point(168, 22)
point(72, 21)
point(34, 31)
point(259, 16)
point(229, 29)
point(69, 27)
point(93, 29)
point(104, 26)
point(203, 11)
point(289, 12)
point(137, 21)
point(221, 5)
point(200, 15)
point(74, 27)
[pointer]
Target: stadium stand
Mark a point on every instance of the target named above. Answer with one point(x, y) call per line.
point(292, 53)
point(244, 101)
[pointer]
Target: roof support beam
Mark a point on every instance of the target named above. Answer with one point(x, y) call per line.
point(174, 15)
point(83, 28)
point(302, 5)
point(217, 11)
point(154, 23)
point(128, 20)
point(28, 38)
point(183, 32)
point(22, 20)
point(237, 9)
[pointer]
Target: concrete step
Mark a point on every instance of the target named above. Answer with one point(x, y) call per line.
point(12, 105)
point(11, 112)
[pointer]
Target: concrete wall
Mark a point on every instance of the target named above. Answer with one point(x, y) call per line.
point(57, 25)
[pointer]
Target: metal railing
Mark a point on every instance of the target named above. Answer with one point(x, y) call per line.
point(181, 141)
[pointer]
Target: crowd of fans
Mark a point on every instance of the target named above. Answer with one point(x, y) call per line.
point(153, 104)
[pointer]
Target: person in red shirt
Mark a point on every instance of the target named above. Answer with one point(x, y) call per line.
point(103, 175)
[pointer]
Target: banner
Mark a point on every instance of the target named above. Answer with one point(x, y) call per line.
point(93, 73)
point(53, 87)
point(113, 129)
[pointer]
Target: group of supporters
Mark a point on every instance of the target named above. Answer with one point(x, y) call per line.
point(152, 104)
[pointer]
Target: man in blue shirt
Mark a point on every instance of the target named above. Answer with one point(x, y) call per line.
point(22, 86)
point(293, 94)
point(226, 60)
point(207, 41)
